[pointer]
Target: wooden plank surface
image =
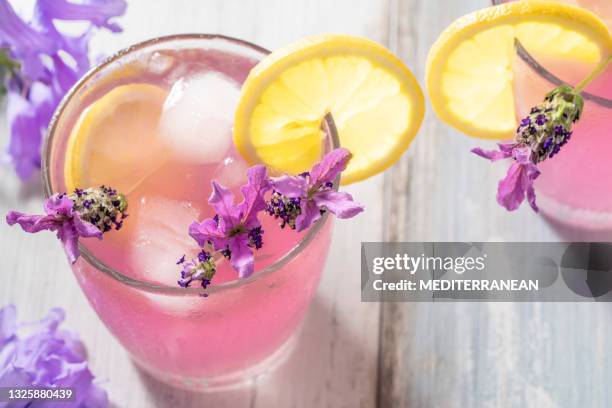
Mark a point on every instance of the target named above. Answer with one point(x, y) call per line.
point(334, 364)
point(467, 354)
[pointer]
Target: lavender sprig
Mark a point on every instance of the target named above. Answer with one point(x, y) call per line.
point(285, 209)
point(84, 213)
point(540, 136)
point(313, 193)
point(235, 231)
point(202, 268)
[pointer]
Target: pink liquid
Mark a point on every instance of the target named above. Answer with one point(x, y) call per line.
point(184, 339)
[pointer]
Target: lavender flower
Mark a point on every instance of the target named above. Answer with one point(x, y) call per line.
point(44, 64)
point(45, 356)
point(299, 201)
point(235, 230)
point(202, 268)
point(85, 213)
point(540, 136)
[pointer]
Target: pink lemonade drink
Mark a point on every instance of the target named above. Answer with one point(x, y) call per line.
point(575, 187)
point(159, 117)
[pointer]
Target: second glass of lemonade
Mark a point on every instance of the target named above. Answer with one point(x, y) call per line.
point(155, 122)
point(573, 188)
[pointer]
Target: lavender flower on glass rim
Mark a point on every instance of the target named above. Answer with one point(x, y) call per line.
point(235, 230)
point(85, 213)
point(40, 354)
point(540, 136)
point(299, 201)
point(44, 64)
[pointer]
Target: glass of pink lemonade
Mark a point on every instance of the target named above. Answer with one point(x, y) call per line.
point(574, 187)
point(163, 117)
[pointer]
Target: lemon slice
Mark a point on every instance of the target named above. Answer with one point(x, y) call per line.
point(112, 142)
point(375, 101)
point(469, 68)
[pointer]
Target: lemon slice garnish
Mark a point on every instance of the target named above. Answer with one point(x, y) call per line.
point(113, 141)
point(375, 101)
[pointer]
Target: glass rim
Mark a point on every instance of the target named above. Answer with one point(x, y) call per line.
point(332, 140)
point(549, 76)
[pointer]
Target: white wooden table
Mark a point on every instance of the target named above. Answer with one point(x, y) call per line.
point(354, 354)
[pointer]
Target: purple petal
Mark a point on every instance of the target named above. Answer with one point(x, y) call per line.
point(59, 204)
point(242, 259)
point(86, 229)
point(531, 198)
point(64, 75)
point(98, 12)
point(310, 214)
point(222, 201)
point(327, 169)
point(69, 236)
point(531, 173)
point(78, 48)
point(26, 44)
point(504, 152)
point(258, 184)
point(510, 190)
point(507, 147)
point(94, 396)
point(12, 376)
point(28, 119)
point(32, 223)
point(291, 186)
point(207, 230)
point(79, 377)
point(518, 182)
point(340, 204)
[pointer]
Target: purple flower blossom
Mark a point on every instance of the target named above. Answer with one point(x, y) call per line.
point(49, 63)
point(59, 217)
point(39, 354)
point(71, 218)
point(235, 229)
point(539, 137)
point(314, 194)
point(518, 183)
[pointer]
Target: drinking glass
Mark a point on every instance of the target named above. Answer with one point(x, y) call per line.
point(573, 188)
point(242, 327)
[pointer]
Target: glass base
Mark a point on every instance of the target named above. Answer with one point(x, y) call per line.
point(227, 382)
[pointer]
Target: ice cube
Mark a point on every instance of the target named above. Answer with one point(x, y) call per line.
point(160, 237)
point(196, 121)
point(231, 172)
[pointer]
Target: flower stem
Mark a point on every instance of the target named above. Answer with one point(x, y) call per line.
point(593, 75)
